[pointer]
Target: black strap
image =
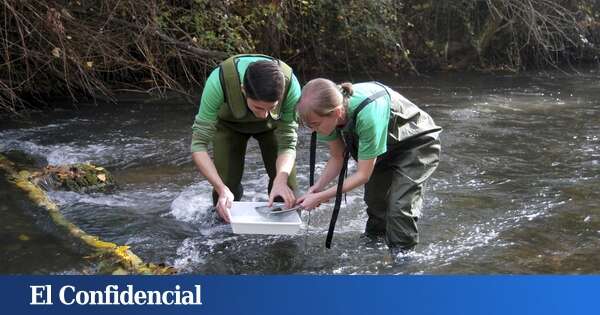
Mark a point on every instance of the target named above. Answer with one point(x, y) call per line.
point(340, 185)
point(338, 199)
point(313, 153)
point(362, 105)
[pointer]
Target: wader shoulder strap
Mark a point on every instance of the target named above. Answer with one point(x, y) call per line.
point(340, 185)
point(231, 85)
point(362, 105)
point(313, 153)
point(338, 199)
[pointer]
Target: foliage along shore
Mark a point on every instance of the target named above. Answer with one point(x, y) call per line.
point(94, 49)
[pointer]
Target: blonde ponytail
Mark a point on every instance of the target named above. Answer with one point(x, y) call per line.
point(346, 89)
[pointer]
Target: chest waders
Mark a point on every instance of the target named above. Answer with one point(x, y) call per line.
point(351, 148)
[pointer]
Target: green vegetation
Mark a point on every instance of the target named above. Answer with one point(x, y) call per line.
point(96, 48)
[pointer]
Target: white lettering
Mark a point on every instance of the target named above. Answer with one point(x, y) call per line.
point(177, 295)
point(38, 291)
point(115, 295)
point(96, 297)
point(140, 298)
point(166, 300)
point(112, 295)
point(188, 298)
point(125, 298)
point(82, 297)
point(61, 294)
point(154, 298)
point(198, 295)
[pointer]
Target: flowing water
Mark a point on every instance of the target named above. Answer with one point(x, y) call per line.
point(516, 190)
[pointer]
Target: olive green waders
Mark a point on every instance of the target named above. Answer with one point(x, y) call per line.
point(229, 152)
point(394, 193)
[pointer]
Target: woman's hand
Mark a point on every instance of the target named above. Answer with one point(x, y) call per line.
point(224, 202)
point(281, 189)
point(311, 200)
point(312, 189)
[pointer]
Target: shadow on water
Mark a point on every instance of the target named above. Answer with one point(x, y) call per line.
point(27, 244)
point(515, 191)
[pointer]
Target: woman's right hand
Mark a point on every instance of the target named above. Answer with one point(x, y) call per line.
point(224, 202)
point(311, 190)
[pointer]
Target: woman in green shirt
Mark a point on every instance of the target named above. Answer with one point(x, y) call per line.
point(247, 96)
point(395, 143)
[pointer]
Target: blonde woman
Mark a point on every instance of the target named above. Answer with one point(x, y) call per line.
point(395, 143)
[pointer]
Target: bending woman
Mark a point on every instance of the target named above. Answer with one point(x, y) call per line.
point(395, 143)
point(247, 96)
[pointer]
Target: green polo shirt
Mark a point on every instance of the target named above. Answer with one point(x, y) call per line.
point(371, 123)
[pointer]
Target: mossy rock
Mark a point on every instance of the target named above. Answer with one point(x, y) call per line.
point(81, 177)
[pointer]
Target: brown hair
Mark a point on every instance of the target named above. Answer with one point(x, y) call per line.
point(264, 81)
point(322, 96)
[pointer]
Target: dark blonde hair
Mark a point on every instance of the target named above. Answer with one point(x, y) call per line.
point(322, 96)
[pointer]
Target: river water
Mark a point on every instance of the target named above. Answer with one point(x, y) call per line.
point(516, 190)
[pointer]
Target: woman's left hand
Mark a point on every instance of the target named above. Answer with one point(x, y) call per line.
point(311, 200)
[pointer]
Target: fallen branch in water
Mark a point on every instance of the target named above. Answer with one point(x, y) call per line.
point(107, 252)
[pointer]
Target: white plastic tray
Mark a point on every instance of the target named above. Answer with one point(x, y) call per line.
point(245, 220)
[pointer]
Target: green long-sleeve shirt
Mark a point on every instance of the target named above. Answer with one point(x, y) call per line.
point(213, 98)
